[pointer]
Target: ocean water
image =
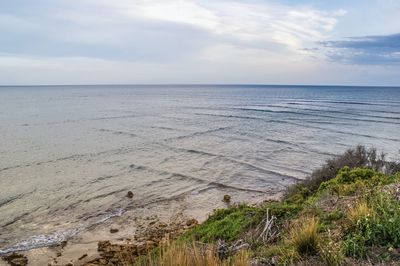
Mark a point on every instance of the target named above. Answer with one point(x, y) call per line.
point(69, 154)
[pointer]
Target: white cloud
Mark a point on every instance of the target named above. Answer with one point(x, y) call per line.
point(245, 24)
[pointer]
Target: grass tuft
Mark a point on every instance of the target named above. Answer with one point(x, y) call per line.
point(360, 211)
point(304, 236)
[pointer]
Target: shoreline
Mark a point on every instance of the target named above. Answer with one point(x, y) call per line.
point(124, 230)
point(133, 229)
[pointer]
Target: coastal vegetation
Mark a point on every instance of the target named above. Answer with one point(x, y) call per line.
point(346, 213)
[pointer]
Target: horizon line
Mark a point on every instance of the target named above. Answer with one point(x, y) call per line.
point(199, 84)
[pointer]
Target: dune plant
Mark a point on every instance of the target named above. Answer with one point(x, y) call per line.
point(304, 236)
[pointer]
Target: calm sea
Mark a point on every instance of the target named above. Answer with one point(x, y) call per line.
point(69, 154)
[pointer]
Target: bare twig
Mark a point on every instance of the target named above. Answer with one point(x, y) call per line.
point(267, 233)
point(225, 250)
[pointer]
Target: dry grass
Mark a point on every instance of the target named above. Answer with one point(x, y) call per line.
point(192, 255)
point(304, 236)
point(359, 211)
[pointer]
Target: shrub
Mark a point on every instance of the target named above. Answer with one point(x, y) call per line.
point(352, 158)
point(358, 157)
point(349, 176)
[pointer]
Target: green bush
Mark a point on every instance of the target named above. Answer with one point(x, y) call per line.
point(348, 176)
point(226, 224)
point(381, 229)
point(357, 157)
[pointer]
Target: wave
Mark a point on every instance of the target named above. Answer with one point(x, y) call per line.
point(240, 162)
point(301, 125)
point(71, 121)
point(11, 199)
point(179, 176)
point(350, 102)
point(39, 241)
point(349, 112)
point(350, 109)
point(317, 115)
point(71, 157)
point(56, 238)
point(199, 133)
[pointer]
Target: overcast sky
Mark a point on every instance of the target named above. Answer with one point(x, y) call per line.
point(164, 41)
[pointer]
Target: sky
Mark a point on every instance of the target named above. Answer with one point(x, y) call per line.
point(353, 42)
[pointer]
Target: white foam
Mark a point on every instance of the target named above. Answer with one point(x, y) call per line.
point(39, 241)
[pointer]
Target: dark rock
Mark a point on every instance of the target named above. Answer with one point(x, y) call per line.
point(113, 230)
point(129, 194)
point(83, 256)
point(16, 259)
point(227, 199)
point(102, 245)
point(192, 222)
point(63, 244)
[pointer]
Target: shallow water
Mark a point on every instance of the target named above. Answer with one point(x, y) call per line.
point(69, 154)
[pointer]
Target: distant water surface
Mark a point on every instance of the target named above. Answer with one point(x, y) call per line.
point(69, 154)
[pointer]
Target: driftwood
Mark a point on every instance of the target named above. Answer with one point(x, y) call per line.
point(266, 228)
point(225, 250)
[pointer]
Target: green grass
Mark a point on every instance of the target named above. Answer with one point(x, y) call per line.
point(225, 224)
point(229, 224)
point(380, 229)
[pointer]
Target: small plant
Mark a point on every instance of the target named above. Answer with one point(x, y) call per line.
point(360, 211)
point(288, 256)
point(304, 236)
point(354, 246)
point(331, 253)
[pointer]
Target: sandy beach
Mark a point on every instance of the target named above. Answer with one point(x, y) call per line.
point(139, 230)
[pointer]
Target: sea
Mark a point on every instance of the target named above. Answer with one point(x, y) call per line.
point(70, 154)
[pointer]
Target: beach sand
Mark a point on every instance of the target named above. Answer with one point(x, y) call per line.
point(134, 228)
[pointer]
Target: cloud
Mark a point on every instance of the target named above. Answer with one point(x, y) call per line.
point(173, 41)
point(368, 50)
point(145, 30)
